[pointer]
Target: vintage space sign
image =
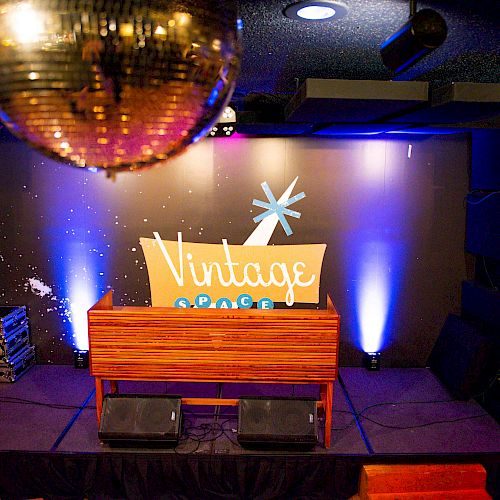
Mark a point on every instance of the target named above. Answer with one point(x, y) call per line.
point(280, 273)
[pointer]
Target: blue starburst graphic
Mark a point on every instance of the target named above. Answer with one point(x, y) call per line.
point(273, 207)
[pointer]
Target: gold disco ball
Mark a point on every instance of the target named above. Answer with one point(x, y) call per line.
point(119, 85)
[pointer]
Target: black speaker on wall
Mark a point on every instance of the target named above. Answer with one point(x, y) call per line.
point(481, 305)
point(463, 358)
point(277, 423)
point(140, 420)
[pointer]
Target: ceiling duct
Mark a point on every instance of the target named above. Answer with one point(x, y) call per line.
point(354, 101)
point(458, 103)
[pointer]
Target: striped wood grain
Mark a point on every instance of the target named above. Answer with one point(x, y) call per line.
point(208, 345)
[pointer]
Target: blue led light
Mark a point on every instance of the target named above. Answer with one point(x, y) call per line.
point(7, 120)
point(4, 117)
point(213, 96)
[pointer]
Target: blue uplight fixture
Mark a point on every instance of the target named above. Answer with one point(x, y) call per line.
point(81, 358)
point(371, 361)
point(311, 10)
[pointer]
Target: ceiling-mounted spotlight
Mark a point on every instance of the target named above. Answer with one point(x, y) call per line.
point(226, 125)
point(425, 31)
point(228, 115)
point(222, 130)
point(310, 10)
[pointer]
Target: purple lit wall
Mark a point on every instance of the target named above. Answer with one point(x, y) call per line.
point(390, 210)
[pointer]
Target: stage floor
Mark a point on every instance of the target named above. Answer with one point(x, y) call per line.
point(393, 414)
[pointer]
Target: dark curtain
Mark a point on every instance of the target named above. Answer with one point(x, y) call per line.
point(172, 476)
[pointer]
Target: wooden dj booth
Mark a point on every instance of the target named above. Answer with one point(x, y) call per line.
point(282, 346)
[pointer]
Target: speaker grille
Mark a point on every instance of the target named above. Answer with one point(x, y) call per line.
point(138, 418)
point(269, 421)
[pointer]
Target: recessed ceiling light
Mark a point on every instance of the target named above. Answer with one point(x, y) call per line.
point(311, 10)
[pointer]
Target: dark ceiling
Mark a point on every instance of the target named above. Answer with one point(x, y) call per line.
point(280, 53)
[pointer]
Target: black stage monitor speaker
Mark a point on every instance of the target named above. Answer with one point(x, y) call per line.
point(464, 359)
point(140, 420)
point(277, 423)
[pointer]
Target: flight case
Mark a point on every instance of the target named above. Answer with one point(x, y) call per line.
point(17, 354)
point(11, 317)
point(17, 365)
point(15, 342)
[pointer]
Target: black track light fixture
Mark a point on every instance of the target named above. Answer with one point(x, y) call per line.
point(424, 31)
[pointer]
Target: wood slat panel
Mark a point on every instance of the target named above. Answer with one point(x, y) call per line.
point(214, 345)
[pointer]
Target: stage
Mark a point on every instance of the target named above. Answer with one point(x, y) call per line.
point(49, 445)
